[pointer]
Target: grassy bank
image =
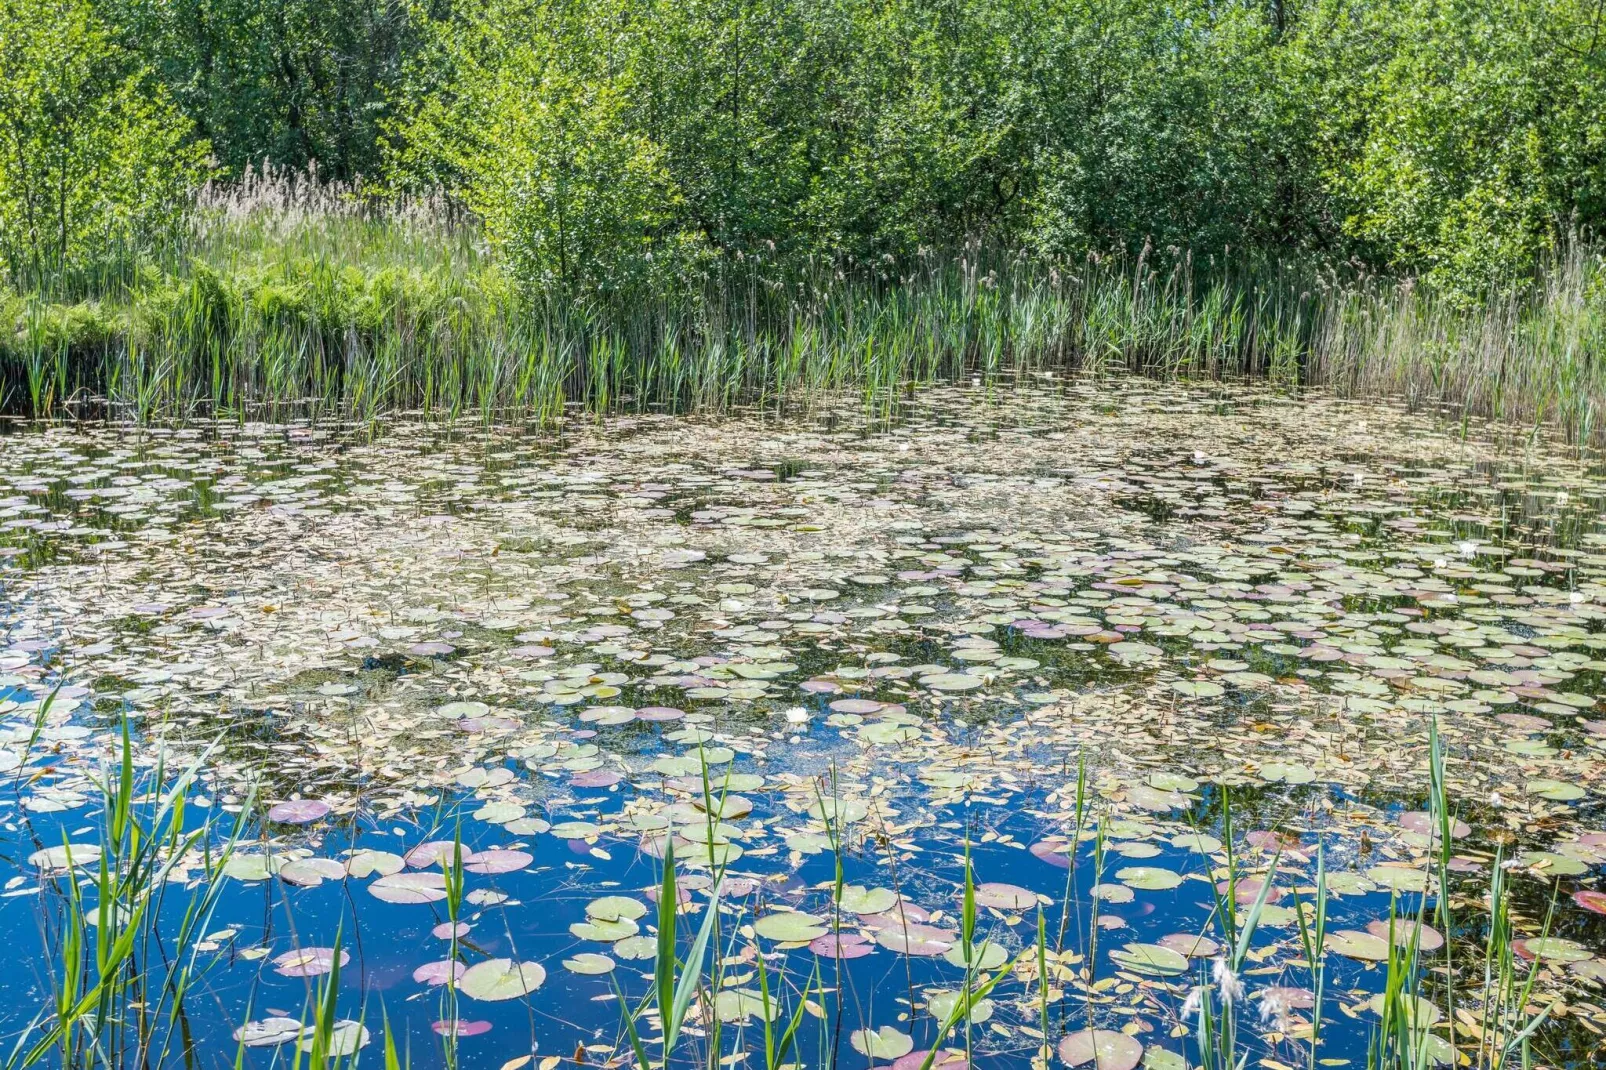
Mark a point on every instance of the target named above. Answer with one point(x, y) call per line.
point(287, 299)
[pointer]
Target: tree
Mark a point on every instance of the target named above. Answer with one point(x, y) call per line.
point(95, 161)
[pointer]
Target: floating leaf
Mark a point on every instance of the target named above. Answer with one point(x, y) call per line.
point(789, 927)
point(501, 979)
point(1358, 945)
point(1555, 790)
point(298, 812)
point(1105, 1048)
point(409, 888)
point(942, 1005)
point(885, 1043)
point(1004, 896)
point(1155, 960)
point(268, 1032)
point(1148, 878)
point(309, 961)
point(857, 899)
point(589, 964)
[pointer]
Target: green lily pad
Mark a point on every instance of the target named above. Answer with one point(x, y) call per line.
point(984, 955)
point(1148, 878)
point(942, 1005)
point(606, 930)
point(952, 681)
point(501, 979)
point(1355, 944)
point(589, 964)
point(1198, 688)
point(1555, 790)
point(789, 926)
point(1151, 959)
point(1286, 773)
point(739, 1004)
point(615, 908)
point(1398, 878)
point(857, 899)
point(1552, 949)
point(886, 1043)
point(1417, 1013)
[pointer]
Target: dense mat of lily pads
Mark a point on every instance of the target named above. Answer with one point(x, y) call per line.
point(1093, 637)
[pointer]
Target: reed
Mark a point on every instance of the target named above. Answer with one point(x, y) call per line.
point(291, 297)
point(120, 966)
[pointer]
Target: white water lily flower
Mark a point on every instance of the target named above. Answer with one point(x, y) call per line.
point(797, 715)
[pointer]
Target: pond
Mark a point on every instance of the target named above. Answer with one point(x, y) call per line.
point(1177, 725)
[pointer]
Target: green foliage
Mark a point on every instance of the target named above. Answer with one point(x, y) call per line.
point(297, 83)
point(95, 161)
point(1459, 139)
point(636, 150)
point(692, 204)
point(536, 137)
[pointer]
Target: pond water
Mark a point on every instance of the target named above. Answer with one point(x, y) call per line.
point(438, 700)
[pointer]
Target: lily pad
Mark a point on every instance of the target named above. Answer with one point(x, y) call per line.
point(789, 926)
point(1148, 878)
point(1156, 960)
point(1105, 1049)
point(409, 888)
point(501, 979)
point(589, 963)
point(1352, 943)
point(886, 1043)
point(857, 899)
point(1005, 896)
point(1555, 790)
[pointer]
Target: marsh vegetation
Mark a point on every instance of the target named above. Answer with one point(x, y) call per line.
point(1175, 726)
point(1013, 534)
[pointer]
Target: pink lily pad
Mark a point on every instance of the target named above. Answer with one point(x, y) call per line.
point(409, 888)
point(494, 862)
point(298, 811)
point(308, 961)
point(847, 946)
point(433, 853)
point(1428, 939)
point(1004, 896)
point(436, 973)
point(924, 941)
point(1249, 891)
point(1422, 823)
point(430, 649)
point(460, 1028)
point(947, 1059)
point(1054, 854)
point(1594, 902)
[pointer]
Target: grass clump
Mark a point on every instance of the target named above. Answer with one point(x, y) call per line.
point(291, 298)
